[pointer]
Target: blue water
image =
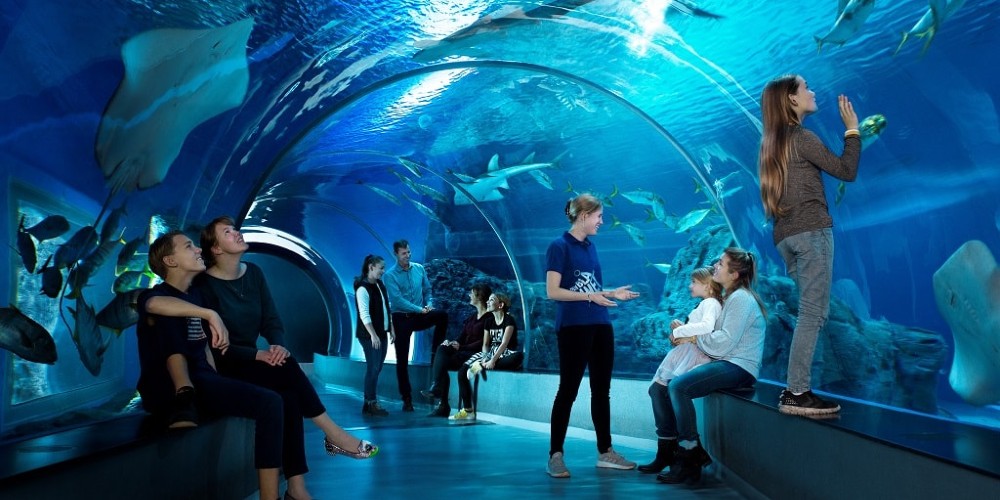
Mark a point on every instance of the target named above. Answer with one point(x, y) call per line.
point(619, 95)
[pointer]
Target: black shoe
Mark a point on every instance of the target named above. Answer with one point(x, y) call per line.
point(806, 404)
point(666, 450)
point(431, 395)
point(184, 414)
point(373, 409)
point(407, 404)
point(442, 410)
point(687, 467)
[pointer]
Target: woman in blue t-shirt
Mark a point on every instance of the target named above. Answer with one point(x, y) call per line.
point(585, 335)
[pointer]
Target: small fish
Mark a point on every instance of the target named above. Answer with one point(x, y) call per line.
point(871, 128)
point(424, 209)
point(423, 189)
point(653, 200)
point(52, 279)
point(26, 248)
point(692, 219)
point(50, 227)
point(635, 233)
point(121, 312)
point(460, 176)
point(78, 246)
point(412, 166)
point(26, 338)
point(689, 8)
point(663, 268)
point(841, 191)
point(133, 280)
point(851, 16)
point(542, 178)
point(381, 192)
point(111, 223)
point(90, 341)
point(667, 220)
point(607, 201)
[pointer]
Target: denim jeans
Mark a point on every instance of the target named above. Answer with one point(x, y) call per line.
point(374, 358)
point(673, 407)
point(809, 262)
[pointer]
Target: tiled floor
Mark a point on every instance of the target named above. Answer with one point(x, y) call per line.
point(424, 457)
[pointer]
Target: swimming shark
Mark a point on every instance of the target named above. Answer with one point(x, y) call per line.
point(486, 187)
point(851, 15)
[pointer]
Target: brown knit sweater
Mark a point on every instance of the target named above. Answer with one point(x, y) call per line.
point(804, 202)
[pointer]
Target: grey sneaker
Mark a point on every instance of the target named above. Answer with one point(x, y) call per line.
point(612, 460)
point(556, 466)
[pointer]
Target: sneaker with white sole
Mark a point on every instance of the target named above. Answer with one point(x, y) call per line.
point(807, 403)
point(464, 414)
point(612, 460)
point(556, 467)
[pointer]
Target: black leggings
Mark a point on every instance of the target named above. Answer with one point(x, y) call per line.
point(299, 400)
point(581, 347)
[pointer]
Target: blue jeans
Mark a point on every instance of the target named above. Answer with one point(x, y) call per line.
point(673, 406)
point(809, 261)
point(374, 358)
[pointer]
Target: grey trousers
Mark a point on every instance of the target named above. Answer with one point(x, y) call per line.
point(809, 262)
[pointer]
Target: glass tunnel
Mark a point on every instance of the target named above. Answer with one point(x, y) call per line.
point(329, 130)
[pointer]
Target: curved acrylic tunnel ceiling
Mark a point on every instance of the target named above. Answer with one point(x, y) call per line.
point(411, 142)
point(390, 79)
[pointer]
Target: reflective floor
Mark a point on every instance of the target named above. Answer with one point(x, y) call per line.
point(493, 457)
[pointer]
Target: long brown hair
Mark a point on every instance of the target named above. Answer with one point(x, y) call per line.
point(744, 263)
point(776, 142)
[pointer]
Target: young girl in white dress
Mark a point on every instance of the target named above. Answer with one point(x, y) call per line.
point(685, 355)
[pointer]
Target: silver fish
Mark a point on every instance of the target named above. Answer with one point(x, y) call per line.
point(90, 341)
point(692, 219)
point(121, 312)
point(26, 338)
point(851, 15)
point(78, 246)
point(50, 227)
point(26, 248)
point(634, 232)
point(112, 222)
point(412, 166)
point(52, 279)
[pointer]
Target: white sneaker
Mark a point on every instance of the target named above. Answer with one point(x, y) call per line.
point(612, 460)
point(556, 467)
point(463, 414)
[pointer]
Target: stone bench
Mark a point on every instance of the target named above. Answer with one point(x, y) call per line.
point(130, 457)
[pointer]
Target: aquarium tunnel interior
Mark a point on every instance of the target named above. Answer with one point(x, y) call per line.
point(331, 129)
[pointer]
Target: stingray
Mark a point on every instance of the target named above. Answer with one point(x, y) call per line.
point(967, 290)
point(175, 80)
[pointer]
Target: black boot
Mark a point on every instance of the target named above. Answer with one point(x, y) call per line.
point(687, 467)
point(665, 450)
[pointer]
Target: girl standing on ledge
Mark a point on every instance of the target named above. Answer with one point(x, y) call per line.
point(792, 162)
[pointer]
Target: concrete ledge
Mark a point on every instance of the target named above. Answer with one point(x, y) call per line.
point(757, 450)
point(526, 396)
point(124, 458)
